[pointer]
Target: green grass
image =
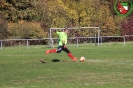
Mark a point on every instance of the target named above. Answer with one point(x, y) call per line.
point(104, 67)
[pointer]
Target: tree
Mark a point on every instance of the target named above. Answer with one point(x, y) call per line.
point(127, 27)
point(54, 13)
point(3, 28)
point(26, 30)
point(62, 13)
point(14, 10)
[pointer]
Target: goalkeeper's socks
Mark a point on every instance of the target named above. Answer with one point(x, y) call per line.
point(71, 56)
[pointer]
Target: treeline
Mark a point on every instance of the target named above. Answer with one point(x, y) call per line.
point(33, 18)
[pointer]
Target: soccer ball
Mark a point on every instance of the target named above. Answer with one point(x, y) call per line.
point(82, 59)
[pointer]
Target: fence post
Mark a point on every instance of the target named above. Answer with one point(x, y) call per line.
point(52, 42)
point(98, 35)
point(1, 44)
point(77, 41)
point(124, 40)
point(101, 40)
point(96, 39)
point(27, 43)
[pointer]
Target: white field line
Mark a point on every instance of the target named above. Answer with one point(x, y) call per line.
point(121, 62)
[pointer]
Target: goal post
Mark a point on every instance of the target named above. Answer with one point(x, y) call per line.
point(77, 33)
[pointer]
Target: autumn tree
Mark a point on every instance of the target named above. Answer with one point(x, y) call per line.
point(26, 30)
point(14, 10)
point(94, 13)
point(54, 13)
point(61, 13)
point(3, 28)
point(127, 27)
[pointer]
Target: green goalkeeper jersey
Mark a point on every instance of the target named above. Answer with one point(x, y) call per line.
point(62, 38)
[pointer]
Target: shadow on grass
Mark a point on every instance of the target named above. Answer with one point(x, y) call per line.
point(55, 60)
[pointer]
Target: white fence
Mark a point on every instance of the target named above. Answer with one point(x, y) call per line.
point(77, 40)
point(26, 41)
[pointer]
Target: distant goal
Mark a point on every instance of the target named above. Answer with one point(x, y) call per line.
point(77, 35)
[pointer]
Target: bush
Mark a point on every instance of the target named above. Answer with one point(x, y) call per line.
point(26, 30)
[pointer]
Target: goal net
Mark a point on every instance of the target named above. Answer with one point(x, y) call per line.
point(79, 35)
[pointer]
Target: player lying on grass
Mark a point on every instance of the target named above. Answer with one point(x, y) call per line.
point(62, 44)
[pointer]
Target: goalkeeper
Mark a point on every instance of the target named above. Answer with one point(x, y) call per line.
point(62, 45)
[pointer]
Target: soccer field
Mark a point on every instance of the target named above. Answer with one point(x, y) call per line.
point(104, 67)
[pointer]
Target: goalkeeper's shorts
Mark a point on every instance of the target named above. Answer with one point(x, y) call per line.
point(60, 48)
